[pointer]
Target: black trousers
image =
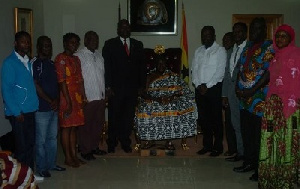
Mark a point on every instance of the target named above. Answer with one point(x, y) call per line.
point(121, 110)
point(24, 133)
point(210, 117)
point(251, 129)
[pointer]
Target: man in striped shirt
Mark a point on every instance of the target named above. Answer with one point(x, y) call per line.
point(92, 66)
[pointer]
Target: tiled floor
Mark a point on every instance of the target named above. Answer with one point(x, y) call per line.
point(109, 172)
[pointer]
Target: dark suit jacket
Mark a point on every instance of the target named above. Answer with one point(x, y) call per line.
point(123, 72)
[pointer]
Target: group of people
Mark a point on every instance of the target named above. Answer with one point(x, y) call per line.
point(40, 95)
point(255, 81)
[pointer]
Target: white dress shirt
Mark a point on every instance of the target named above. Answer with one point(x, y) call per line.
point(127, 41)
point(92, 66)
point(208, 66)
point(235, 56)
point(25, 61)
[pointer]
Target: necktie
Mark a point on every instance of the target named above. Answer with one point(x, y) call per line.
point(126, 47)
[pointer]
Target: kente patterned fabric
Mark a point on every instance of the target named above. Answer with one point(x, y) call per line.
point(15, 174)
point(254, 61)
point(176, 119)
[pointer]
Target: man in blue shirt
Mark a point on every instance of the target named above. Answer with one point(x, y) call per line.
point(20, 98)
point(45, 79)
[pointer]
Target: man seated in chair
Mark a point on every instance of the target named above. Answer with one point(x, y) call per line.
point(167, 109)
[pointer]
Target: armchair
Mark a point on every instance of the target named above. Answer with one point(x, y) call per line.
point(173, 62)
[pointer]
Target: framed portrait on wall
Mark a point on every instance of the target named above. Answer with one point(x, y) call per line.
point(152, 17)
point(24, 21)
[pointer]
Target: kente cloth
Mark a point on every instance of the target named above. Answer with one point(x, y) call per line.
point(15, 174)
point(279, 151)
point(254, 62)
point(69, 70)
point(176, 119)
point(280, 132)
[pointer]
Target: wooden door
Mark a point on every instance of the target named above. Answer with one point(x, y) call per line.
point(272, 20)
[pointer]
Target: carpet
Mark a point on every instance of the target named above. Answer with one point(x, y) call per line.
point(194, 143)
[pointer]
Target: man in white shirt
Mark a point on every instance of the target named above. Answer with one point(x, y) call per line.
point(92, 65)
point(230, 99)
point(208, 69)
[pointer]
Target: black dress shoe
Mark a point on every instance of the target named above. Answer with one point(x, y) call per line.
point(88, 156)
point(127, 149)
point(234, 158)
point(99, 152)
point(111, 150)
point(215, 153)
point(58, 168)
point(228, 153)
point(254, 177)
point(203, 151)
point(45, 174)
point(244, 168)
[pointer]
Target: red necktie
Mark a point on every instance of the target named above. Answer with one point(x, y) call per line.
point(126, 47)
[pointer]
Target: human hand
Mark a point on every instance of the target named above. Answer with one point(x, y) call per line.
point(247, 93)
point(20, 118)
point(225, 102)
point(85, 101)
point(298, 103)
point(109, 92)
point(54, 104)
point(203, 89)
point(68, 111)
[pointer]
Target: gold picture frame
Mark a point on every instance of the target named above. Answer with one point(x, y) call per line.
point(24, 21)
point(152, 17)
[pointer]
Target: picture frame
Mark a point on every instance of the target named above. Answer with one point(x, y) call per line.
point(24, 21)
point(152, 17)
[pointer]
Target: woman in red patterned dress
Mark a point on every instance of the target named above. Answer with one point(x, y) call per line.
point(72, 97)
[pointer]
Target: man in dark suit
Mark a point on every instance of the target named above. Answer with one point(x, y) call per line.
point(125, 74)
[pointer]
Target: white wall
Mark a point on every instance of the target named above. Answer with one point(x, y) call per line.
point(101, 16)
point(7, 36)
point(56, 17)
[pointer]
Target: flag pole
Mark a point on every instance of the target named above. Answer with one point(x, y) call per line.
point(119, 11)
point(184, 47)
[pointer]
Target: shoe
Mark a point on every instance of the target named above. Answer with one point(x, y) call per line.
point(234, 158)
point(203, 151)
point(111, 150)
point(148, 144)
point(169, 146)
point(244, 168)
point(44, 174)
point(38, 178)
point(58, 168)
point(99, 152)
point(88, 156)
point(227, 153)
point(127, 149)
point(254, 177)
point(215, 153)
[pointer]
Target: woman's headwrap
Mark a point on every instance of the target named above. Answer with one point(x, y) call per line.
point(288, 29)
